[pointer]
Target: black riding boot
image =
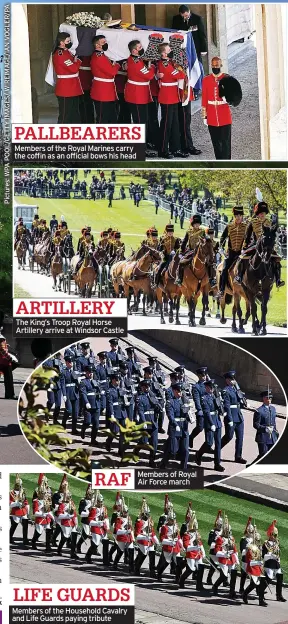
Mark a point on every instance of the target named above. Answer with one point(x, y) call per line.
point(63, 540)
point(105, 551)
point(13, 528)
point(240, 271)
point(262, 587)
point(210, 575)
point(233, 577)
point(279, 585)
point(89, 553)
point(81, 541)
point(221, 579)
point(73, 554)
point(138, 562)
point(56, 534)
point(184, 577)
point(179, 568)
point(179, 275)
point(48, 536)
point(117, 558)
point(152, 569)
point(35, 538)
point(243, 578)
point(131, 560)
point(247, 591)
point(162, 565)
point(199, 580)
point(111, 553)
point(83, 429)
point(25, 532)
point(277, 274)
point(211, 275)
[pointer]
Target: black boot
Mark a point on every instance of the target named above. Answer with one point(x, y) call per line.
point(179, 568)
point(74, 429)
point(61, 544)
point(162, 565)
point(35, 539)
point(79, 543)
point(247, 591)
point(233, 577)
point(180, 275)
point(210, 575)
point(184, 576)
point(240, 272)
point(152, 569)
point(243, 578)
point(277, 273)
point(279, 586)
point(13, 528)
point(88, 556)
point(152, 459)
point(117, 558)
point(94, 432)
point(25, 532)
point(64, 420)
point(221, 579)
point(262, 587)
point(111, 553)
point(48, 548)
point(105, 552)
point(73, 554)
point(199, 580)
point(56, 534)
point(138, 562)
point(83, 429)
point(108, 444)
point(131, 560)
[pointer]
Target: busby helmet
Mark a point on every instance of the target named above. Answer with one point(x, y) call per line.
point(169, 227)
point(57, 233)
point(261, 207)
point(196, 219)
point(238, 210)
point(153, 231)
point(117, 235)
point(230, 88)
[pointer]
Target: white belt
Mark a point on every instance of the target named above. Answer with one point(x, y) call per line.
point(216, 102)
point(102, 391)
point(117, 403)
point(212, 413)
point(71, 76)
point(85, 68)
point(104, 79)
point(103, 381)
point(233, 406)
point(169, 84)
point(149, 412)
point(91, 393)
point(69, 385)
point(179, 419)
point(142, 84)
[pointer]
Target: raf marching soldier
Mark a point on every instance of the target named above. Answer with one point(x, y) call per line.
point(212, 427)
point(169, 98)
point(129, 390)
point(137, 89)
point(72, 395)
point(198, 391)
point(195, 553)
point(83, 510)
point(177, 411)
point(103, 90)
point(271, 557)
point(101, 374)
point(115, 355)
point(216, 112)
point(57, 386)
point(134, 366)
point(85, 358)
point(68, 86)
point(147, 408)
point(233, 421)
point(157, 387)
point(168, 245)
point(188, 246)
point(259, 220)
point(235, 233)
point(90, 396)
point(116, 411)
point(264, 421)
point(146, 539)
point(19, 510)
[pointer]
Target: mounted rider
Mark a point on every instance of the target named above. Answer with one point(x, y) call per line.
point(42, 228)
point(189, 245)
point(104, 240)
point(151, 238)
point(86, 246)
point(259, 220)
point(82, 238)
point(63, 229)
point(168, 244)
point(20, 232)
point(117, 246)
point(57, 241)
point(235, 233)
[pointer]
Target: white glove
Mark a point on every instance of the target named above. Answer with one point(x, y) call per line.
point(269, 429)
point(205, 121)
point(213, 427)
point(178, 428)
point(230, 423)
point(88, 406)
point(113, 418)
point(64, 399)
point(144, 426)
point(137, 418)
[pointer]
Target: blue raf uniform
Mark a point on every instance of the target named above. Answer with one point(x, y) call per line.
point(117, 410)
point(198, 391)
point(72, 397)
point(101, 374)
point(90, 396)
point(177, 411)
point(264, 421)
point(233, 420)
point(212, 428)
point(147, 408)
point(128, 386)
point(84, 360)
point(57, 387)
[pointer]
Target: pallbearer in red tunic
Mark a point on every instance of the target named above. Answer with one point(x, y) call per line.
point(227, 557)
point(170, 541)
point(86, 104)
point(146, 539)
point(216, 112)
point(42, 511)
point(68, 86)
point(169, 97)
point(195, 552)
point(19, 510)
point(137, 90)
point(103, 90)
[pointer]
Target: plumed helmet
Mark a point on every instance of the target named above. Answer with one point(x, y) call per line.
point(219, 520)
point(193, 523)
point(230, 88)
point(144, 510)
point(249, 529)
point(189, 512)
point(272, 530)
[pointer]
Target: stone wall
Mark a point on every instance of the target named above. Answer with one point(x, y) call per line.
point(239, 21)
point(220, 357)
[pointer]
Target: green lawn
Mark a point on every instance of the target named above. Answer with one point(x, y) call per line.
point(205, 502)
point(20, 293)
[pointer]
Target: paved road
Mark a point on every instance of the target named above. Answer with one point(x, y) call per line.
point(152, 597)
point(250, 450)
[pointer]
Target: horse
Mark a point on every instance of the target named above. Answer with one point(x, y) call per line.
point(56, 267)
point(42, 253)
point(85, 276)
point(136, 274)
point(228, 297)
point(118, 266)
point(196, 279)
point(168, 289)
point(21, 250)
point(258, 278)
